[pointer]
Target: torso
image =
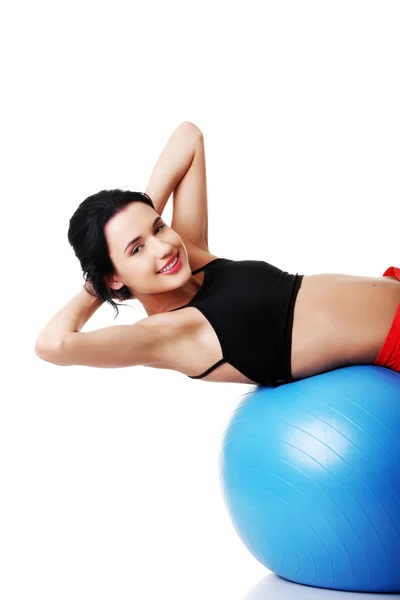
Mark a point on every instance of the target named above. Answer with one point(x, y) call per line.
point(338, 320)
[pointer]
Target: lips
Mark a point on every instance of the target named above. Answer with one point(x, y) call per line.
point(169, 262)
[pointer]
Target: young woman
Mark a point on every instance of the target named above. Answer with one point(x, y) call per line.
point(210, 317)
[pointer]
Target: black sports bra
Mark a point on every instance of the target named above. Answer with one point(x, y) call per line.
point(250, 305)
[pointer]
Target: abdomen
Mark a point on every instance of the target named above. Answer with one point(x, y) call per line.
point(340, 320)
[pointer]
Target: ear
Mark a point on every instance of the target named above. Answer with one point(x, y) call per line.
point(113, 282)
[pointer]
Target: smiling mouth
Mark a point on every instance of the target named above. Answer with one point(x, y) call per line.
point(175, 258)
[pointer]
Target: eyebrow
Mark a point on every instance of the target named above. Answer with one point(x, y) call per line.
point(129, 244)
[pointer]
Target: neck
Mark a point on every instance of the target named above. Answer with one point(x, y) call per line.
point(163, 302)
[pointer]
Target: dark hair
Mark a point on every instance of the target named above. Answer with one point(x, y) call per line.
point(86, 236)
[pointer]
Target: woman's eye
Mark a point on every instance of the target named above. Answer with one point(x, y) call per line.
point(139, 245)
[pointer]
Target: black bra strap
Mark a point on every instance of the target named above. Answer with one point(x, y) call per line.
point(208, 370)
point(197, 270)
point(206, 265)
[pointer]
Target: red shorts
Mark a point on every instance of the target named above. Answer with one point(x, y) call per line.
point(389, 354)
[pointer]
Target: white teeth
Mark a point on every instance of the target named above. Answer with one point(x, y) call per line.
point(170, 266)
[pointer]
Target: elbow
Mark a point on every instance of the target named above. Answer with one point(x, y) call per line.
point(188, 125)
point(48, 353)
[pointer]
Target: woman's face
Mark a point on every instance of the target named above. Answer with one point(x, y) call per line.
point(137, 261)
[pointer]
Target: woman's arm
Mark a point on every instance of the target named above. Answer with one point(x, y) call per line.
point(62, 343)
point(71, 318)
point(173, 164)
point(140, 344)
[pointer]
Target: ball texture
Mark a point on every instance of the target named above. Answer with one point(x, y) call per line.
point(310, 474)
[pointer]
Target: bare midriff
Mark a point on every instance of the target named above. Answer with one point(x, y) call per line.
point(338, 320)
point(341, 320)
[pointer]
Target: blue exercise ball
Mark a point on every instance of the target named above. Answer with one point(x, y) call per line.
point(310, 475)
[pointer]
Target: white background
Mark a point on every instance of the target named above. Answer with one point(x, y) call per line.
point(109, 478)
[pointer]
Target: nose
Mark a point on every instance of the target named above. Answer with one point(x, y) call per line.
point(162, 249)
